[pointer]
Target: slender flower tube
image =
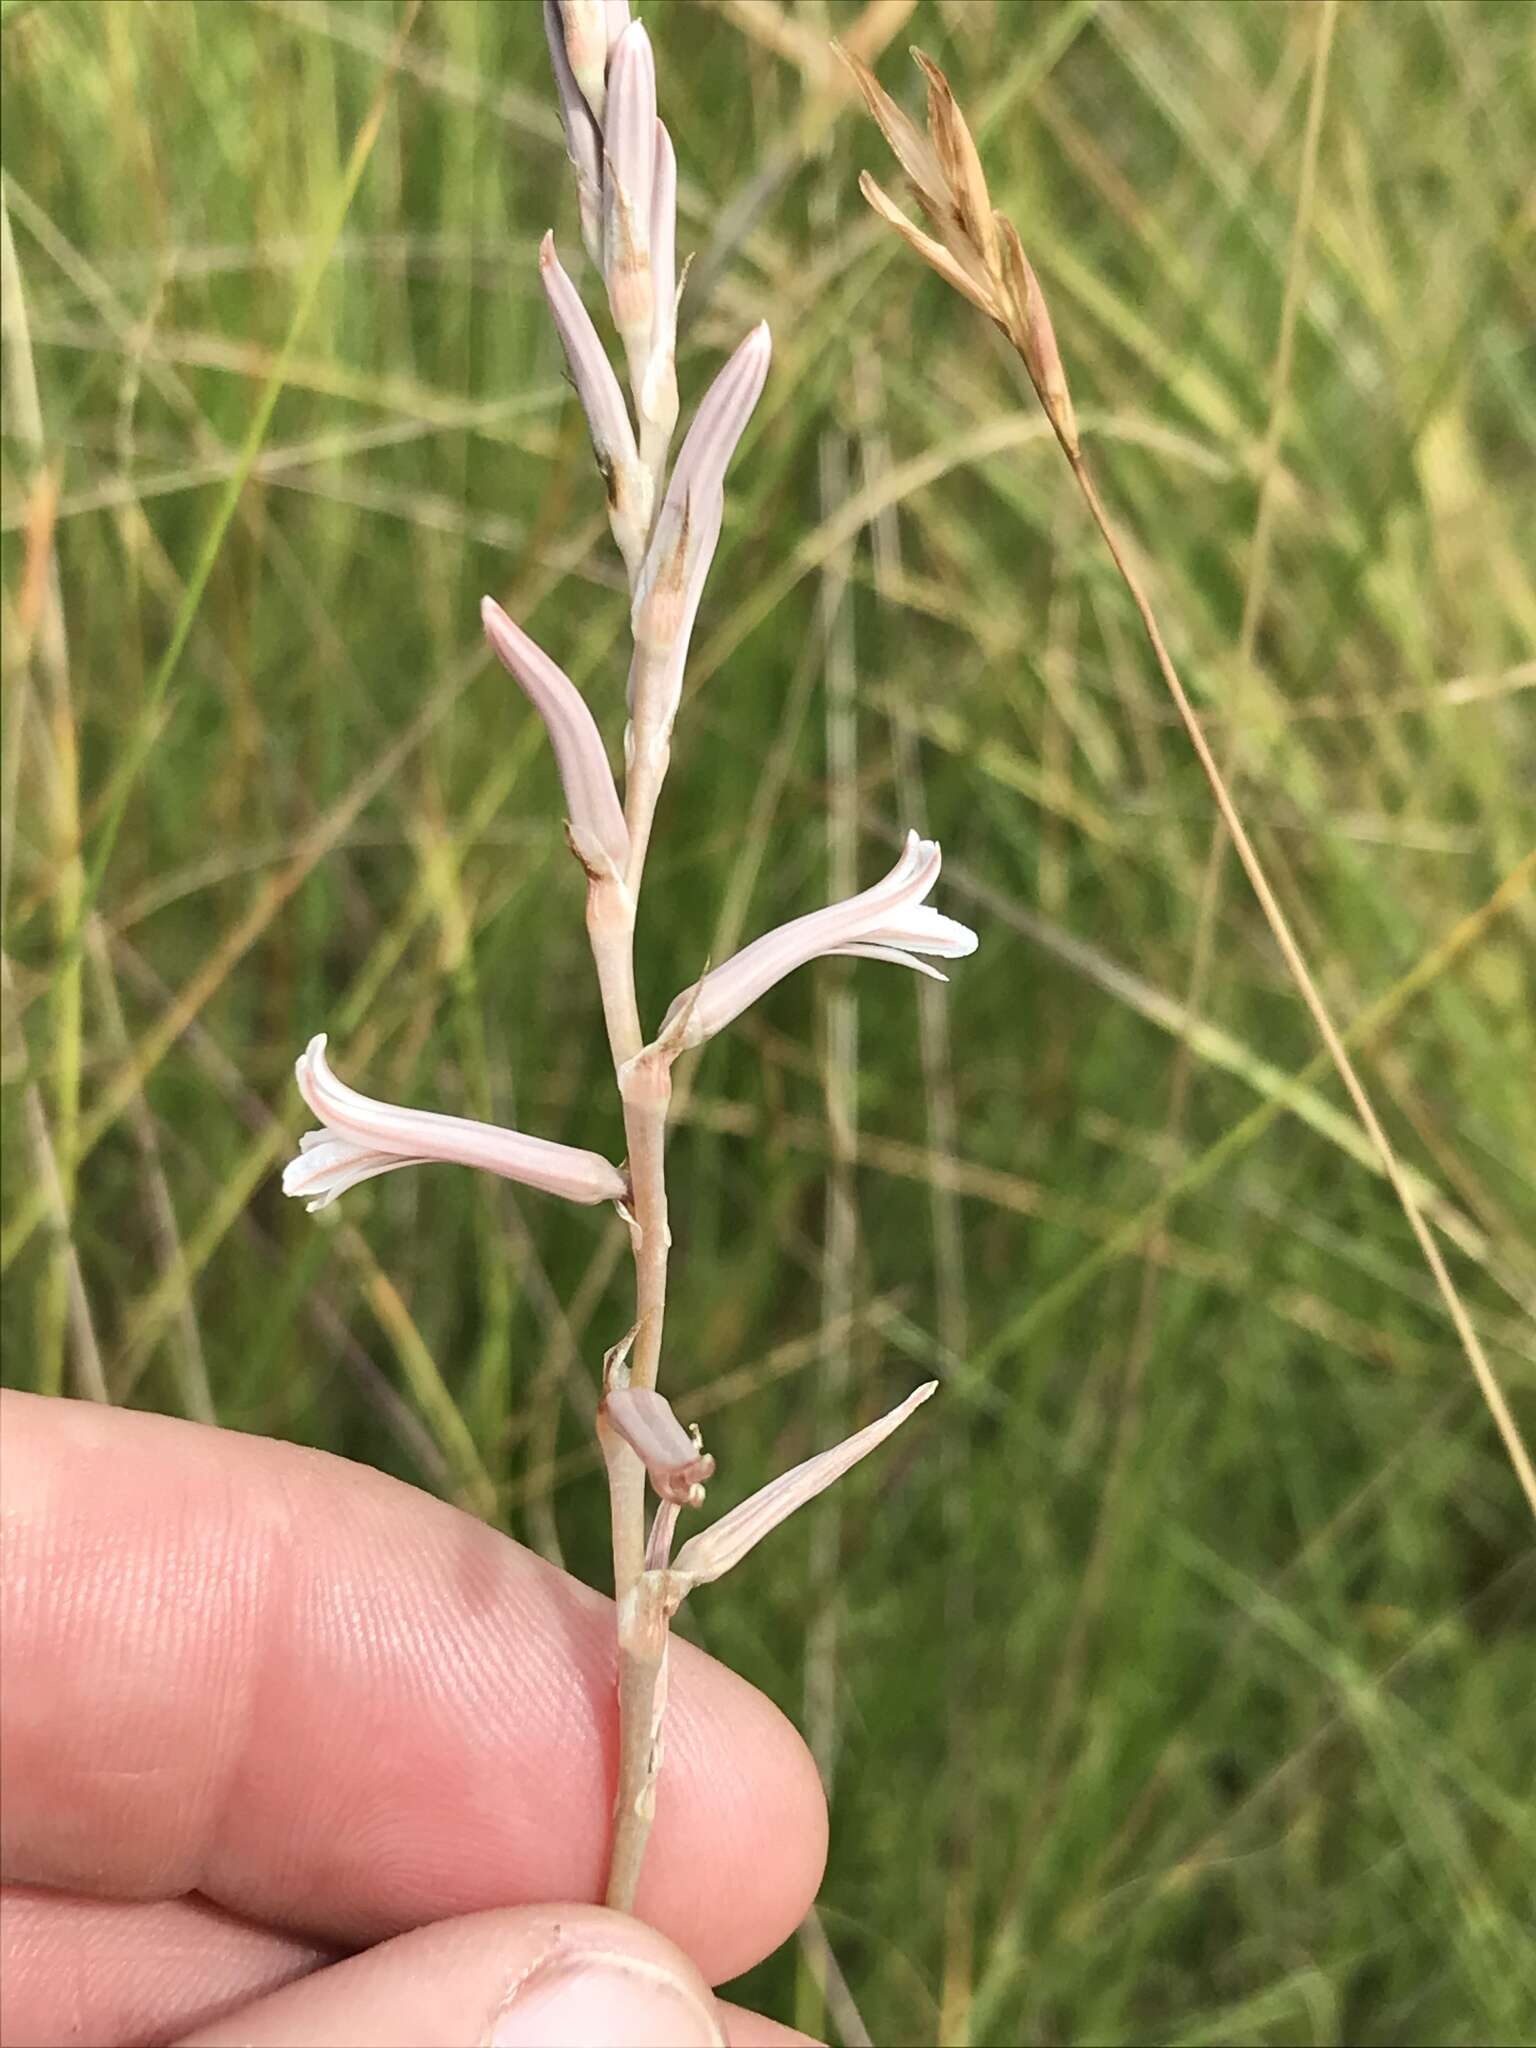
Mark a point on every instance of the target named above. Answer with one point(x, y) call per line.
point(630, 487)
point(594, 813)
point(629, 171)
point(671, 580)
point(583, 138)
point(363, 1138)
point(891, 921)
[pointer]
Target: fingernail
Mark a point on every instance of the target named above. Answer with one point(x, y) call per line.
point(598, 2000)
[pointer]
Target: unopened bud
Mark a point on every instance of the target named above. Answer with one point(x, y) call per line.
point(630, 171)
point(586, 46)
point(630, 488)
point(656, 392)
point(583, 140)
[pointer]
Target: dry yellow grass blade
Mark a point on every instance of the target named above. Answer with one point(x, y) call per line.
point(947, 180)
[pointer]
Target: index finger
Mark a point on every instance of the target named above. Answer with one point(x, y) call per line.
point(332, 1703)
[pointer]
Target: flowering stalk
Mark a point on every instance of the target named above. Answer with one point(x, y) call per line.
point(666, 530)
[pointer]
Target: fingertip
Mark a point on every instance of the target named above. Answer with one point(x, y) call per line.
point(559, 1976)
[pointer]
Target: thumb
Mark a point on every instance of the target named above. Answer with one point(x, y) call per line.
point(529, 1977)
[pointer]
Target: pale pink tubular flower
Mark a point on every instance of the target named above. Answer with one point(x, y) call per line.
point(629, 171)
point(594, 814)
point(671, 580)
point(613, 440)
point(583, 138)
point(725, 1543)
point(678, 1465)
point(891, 921)
point(363, 1138)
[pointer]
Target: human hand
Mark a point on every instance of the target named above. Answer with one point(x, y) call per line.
point(294, 1754)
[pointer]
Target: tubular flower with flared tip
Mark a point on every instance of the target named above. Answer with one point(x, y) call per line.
point(629, 482)
point(891, 921)
point(362, 1138)
point(671, 580)
point(594, 814)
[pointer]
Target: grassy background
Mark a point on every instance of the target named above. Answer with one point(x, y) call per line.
point(1174, 1673)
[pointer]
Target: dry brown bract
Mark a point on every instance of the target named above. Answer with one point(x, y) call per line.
point(978, 250)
